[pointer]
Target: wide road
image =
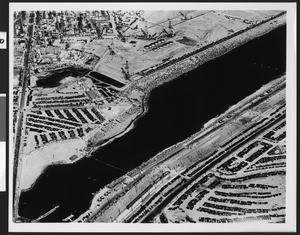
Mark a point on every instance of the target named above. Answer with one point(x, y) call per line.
point(25, 74)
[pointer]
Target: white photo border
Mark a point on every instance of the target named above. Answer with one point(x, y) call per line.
point(289, 226)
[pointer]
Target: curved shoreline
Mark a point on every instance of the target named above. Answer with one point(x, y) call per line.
point(173, 76)
point(149, 88)
point(170, 78)
point(207, 127)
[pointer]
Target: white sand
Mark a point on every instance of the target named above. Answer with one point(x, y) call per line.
point(68, 79)
point(34, 164)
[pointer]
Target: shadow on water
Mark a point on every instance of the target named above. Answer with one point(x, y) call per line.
point(176, 110)
point(53, 78)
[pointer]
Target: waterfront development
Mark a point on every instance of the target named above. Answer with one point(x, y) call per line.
point(100, 145)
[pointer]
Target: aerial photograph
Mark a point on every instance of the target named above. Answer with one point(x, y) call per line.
point(149, 116)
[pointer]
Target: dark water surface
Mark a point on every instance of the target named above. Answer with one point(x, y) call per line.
point(105, 79)
point(176, 110)
point(54, 77)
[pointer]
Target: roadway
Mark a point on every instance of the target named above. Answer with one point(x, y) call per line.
point(208, 167)
point(209, 131)
point(25, 75)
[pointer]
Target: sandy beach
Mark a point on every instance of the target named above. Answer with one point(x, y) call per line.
point(60, 153)
point(35, 163)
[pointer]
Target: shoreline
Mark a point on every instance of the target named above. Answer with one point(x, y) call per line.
point(146, 167)
point(41, 167)
point(162, 79)
point(205, 126)
point(214, 51)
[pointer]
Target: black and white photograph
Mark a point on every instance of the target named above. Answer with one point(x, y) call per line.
point(153, 117)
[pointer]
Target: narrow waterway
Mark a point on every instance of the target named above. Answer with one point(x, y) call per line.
point(54, 78)
point(176, 110)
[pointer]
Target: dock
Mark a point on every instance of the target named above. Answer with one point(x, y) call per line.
point(69, 218)
point(45, 215)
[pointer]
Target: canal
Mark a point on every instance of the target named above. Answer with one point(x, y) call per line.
point(176, 110)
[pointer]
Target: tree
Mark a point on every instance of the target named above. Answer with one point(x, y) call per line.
point(38, 17)
point(23, 15)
